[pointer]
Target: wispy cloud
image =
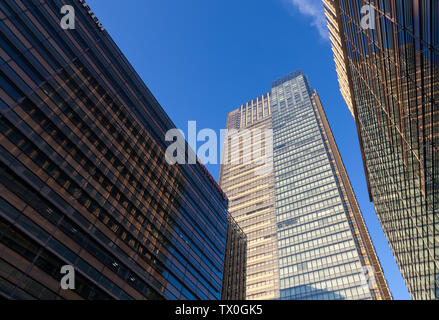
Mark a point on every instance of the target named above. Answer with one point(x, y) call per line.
point(314, 10)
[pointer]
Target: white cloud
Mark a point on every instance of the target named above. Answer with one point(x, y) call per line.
point(314, 10)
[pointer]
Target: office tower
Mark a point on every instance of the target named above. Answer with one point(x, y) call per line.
point(251, 193)
point(306, 237)
point(83, 176)
point(387, 56)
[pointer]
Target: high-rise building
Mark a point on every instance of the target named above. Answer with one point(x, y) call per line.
point(83, 176)
point(250, 189)
point(289, 191)
point(387, 60)
point(234, 263)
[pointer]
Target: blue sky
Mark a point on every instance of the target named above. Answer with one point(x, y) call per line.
point(204, 58)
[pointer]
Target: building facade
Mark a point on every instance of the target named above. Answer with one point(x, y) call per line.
point(234, 279)
point(387, 57)
point(83, 176)
point(249, 186)
point(306, 235)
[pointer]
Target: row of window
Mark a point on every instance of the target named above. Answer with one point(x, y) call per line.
point(312, 233)
point(318, 293)
point(328, 273)
point(287, 247)
point(291, 211)
point(321, 252)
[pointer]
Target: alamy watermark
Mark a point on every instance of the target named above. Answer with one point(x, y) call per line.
point(69, 15)
point(68, 281)
point(239, 147)
point(68, 20)
point(368, 17)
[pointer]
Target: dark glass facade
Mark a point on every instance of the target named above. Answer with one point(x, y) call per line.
point(234, 281)
point(83, 176)
point(389, 77)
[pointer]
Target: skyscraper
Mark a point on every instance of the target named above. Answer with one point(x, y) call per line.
point(289, 191)
point(83, 176)
point(250, 189)
point(387, 56)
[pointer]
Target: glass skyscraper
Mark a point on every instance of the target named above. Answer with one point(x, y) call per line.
point(83, 176)
point(306, 235)
point(387, 60)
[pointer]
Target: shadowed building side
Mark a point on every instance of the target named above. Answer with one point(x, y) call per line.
point(234, 279)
